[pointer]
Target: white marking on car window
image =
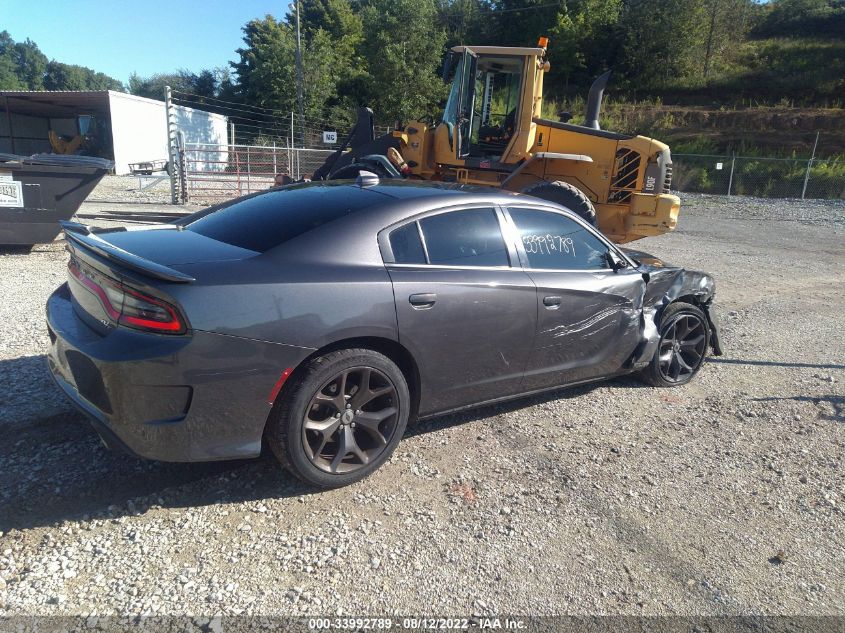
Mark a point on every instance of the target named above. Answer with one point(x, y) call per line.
point(548, 244)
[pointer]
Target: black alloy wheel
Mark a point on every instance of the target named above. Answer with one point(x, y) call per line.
point(350, 420)
point(682, 348)
point(340, 417)
point(684, 339)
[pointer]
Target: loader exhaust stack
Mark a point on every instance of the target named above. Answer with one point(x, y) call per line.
point(591, 119)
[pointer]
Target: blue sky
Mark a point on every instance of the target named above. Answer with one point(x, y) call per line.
point(118, 37)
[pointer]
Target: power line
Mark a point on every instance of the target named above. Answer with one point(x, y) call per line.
point(276, 115)
point(512, 10)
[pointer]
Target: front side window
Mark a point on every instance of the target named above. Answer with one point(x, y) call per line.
point(498, 81)
point(470, 237)
point(450, 113)
point(554, 241)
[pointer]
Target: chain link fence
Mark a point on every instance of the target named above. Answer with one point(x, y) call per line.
point(761, 177)
point(264, 143)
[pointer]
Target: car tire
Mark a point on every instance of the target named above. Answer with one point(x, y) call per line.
point(309, 427)
point(683, 345)
point(566, 195)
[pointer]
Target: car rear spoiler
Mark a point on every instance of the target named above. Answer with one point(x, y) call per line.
point(86, 237)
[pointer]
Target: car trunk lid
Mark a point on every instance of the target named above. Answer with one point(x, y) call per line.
point(110, 272)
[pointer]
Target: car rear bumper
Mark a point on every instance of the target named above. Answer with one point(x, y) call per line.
point(197, 397)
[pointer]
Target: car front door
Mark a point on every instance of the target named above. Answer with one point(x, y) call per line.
point(589, 309)
point(466, 310)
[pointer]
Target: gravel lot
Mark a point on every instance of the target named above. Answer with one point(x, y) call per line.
point(722, 497)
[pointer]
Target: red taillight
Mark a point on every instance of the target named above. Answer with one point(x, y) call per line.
point(128, 306)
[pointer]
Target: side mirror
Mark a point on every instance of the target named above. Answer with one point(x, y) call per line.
point(565, 116)
point(616, 262)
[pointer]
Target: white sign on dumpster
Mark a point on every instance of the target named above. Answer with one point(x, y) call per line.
point(329, 138)
point(11, 193)
point(718, 165)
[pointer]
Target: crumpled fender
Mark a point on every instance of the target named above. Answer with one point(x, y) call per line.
point(664, 285)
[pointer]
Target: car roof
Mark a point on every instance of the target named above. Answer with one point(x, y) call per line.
point(408, 189)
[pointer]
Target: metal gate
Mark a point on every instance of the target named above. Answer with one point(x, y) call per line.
point(220, 172)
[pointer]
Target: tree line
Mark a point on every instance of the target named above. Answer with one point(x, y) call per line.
point(24, 67)
point(387, 54)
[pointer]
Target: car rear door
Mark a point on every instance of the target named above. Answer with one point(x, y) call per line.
point(465, 308)
point(589, 313)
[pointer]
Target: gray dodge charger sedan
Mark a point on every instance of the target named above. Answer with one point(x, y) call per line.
point(322, 317)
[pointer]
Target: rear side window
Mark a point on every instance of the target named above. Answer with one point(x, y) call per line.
point(406, 245)
point(264, 221)
point(471, 237)
point(554, 241)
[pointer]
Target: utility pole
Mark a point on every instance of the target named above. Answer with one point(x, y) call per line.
point(299, 79)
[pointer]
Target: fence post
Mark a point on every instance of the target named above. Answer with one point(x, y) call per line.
point(275, 170)
point(290, 148)
point(731, 177)
point(295, 154)
point(248, 171)
point(238, 171)
point(172, 154)
point(182, 150)
point(809, 166)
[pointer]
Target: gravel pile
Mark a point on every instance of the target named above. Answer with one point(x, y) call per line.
point(127, 189)
point(721, 497)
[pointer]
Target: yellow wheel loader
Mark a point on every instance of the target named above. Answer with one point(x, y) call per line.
point(492, 133)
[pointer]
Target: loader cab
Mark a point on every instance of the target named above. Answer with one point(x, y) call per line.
point(487, 106)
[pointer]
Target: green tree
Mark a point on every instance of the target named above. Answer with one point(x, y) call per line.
point(9, 79)
point(662, 40)
point(582, 41)
point(193, 86)
point(265, 71)
point(333, 32)
point(59, 76)
point(468, 22)
point(30, 63)
point(266, 68)
point(810, 18)
point(337, 19)
point(403, 49)
point(728, 22)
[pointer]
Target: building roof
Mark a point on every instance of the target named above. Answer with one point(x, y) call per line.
point(55, 103)
point(70, 103)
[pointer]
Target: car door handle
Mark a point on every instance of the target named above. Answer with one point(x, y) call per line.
point(552, 302)
point(423, 301)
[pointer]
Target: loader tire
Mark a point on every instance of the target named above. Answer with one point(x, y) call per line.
point(566, 195)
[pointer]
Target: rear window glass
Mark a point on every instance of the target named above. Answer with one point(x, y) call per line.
point(406, 245)
point(262, 222)
point(465, 238)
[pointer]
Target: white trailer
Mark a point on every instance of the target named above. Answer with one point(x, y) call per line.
point(139, 129)
point(135, 128)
